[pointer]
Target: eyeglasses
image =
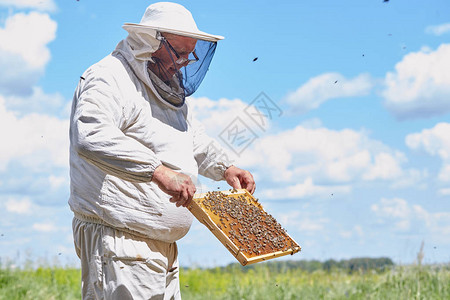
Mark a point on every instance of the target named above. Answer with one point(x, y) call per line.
point(181, 60)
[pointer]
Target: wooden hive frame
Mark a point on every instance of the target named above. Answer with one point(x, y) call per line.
point(212, 221)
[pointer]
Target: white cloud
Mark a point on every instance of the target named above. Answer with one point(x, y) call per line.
point(44, 227)
point(420, 84)
point(312, 226)
point(323, 154)
point(303, 223)
point(326, 87)
point(312, 123)
point(346, 234)
point(217, 115)
point(42, 5)
point(38, 141)
point(396, 207)
point(412, 177)
point(303, 190)
point(27, 35)
point(222, 116)
point(436, 142)
point(444, 174)
point(356, 231)
point(38, 102)
point(309, 152)
point(406, 217)
point(56, 182)
point(386, 166)
point(444, 192)
point(290, 218)
point(22, 206)
point(438, 223)
point(23, 50)
point(438, 29)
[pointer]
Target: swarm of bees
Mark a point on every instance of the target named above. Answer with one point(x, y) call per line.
point(244, 221)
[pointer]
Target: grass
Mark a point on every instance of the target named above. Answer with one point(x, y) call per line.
point(400, 282)
point(40, 283)
point(410, 282)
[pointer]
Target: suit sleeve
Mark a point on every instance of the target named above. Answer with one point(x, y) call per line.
point(211, 157)
point(97, 130)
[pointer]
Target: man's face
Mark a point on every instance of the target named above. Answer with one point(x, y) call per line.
point(183, 47)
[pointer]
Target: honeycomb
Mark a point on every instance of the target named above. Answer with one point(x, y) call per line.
point(243, 220)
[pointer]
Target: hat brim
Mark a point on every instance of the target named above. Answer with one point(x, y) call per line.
point(200, 35)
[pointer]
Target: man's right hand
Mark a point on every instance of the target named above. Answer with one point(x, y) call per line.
point(177, 185)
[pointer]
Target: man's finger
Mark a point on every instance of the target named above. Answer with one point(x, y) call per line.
point(176, 198)
point(186, 204)
point(236, 183)
point(250, 183)
point(247, 181)
point(250, 187)
point(192, 191)
point(183, 198)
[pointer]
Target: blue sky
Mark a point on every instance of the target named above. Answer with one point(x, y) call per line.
point(355, 161)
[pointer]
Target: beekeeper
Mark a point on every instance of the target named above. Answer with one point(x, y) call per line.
point(135, 153)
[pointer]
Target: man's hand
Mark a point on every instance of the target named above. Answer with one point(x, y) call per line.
point(177, 185)
point(240, 179)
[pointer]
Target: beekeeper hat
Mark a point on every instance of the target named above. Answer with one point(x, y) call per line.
point(172, 18)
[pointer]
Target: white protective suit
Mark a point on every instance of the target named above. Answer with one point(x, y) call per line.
point(121, 130)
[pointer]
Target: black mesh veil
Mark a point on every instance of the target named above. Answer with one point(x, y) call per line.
point(189, 75)
point(193, 74)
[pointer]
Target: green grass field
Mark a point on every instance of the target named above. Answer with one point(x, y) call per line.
point(260, 282)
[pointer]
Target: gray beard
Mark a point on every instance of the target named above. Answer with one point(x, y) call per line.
point(172, 92)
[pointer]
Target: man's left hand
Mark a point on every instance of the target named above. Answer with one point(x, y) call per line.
point(240, 179)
